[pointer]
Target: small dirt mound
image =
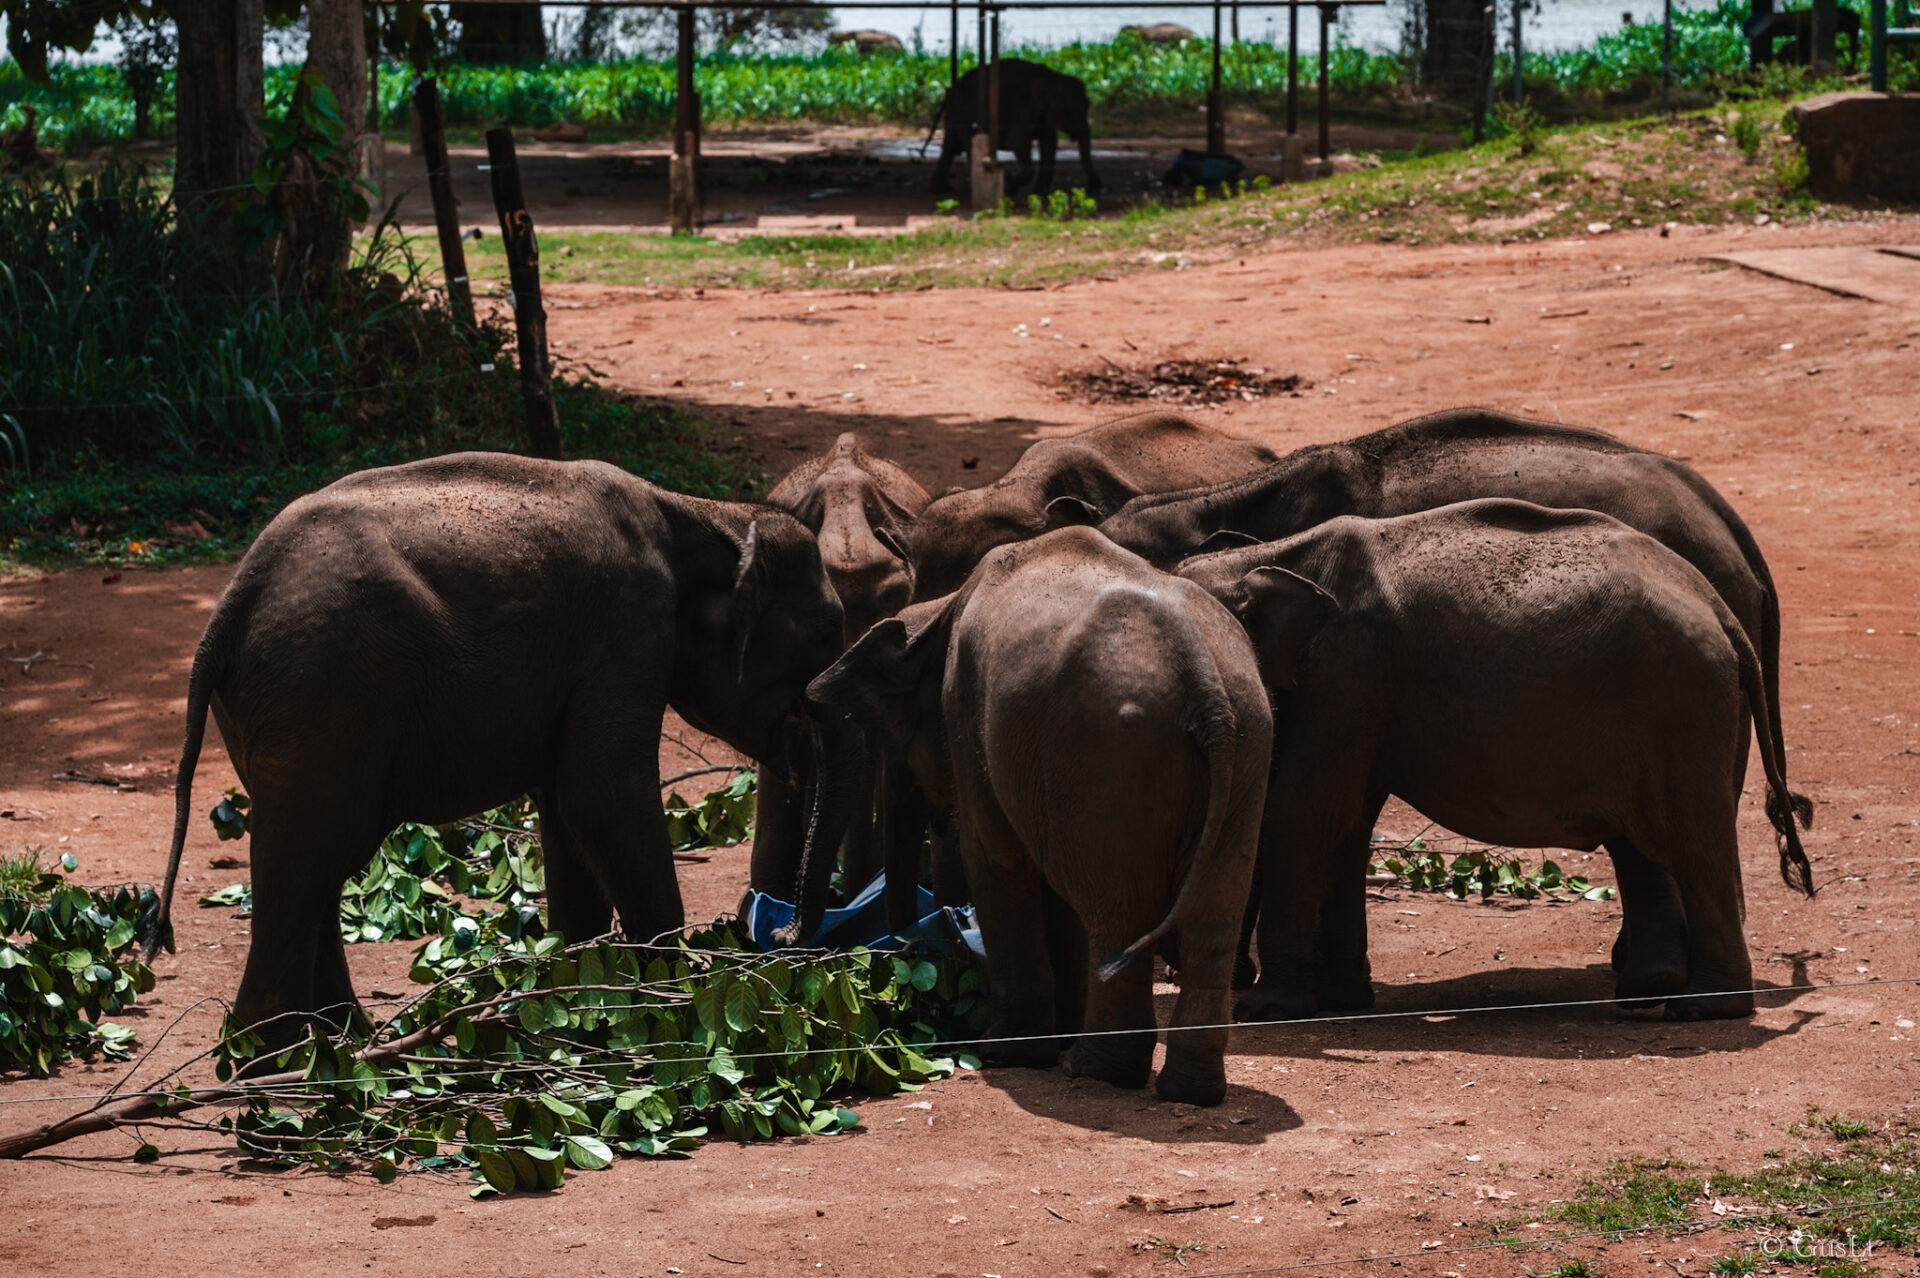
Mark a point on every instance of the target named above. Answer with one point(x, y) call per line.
point(1180, 381)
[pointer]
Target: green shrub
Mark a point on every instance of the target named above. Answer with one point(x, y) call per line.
point(61, 968)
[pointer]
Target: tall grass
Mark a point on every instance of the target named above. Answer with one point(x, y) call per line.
point(129, 329)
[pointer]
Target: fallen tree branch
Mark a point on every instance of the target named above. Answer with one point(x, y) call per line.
point(102, 1117)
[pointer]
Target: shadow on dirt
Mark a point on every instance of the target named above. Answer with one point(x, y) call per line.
point(1583, 1024)
point(1247, 1117)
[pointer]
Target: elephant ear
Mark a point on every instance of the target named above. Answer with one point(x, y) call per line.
point(1225, 539)
point(752, 588)
point(1067, 510)
point(1283, 612)
point(884, 678)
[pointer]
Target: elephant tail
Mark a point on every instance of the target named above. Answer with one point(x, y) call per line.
point(933, 126)
point(1795, 871)
point(1214, 731)
point(209, 664)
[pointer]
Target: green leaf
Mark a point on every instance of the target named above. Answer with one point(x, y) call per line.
point(742, 1006)
point(497, 1169)
point(147, 1154)
point(588, 1153)
point(550, 1166)
point(481, 1131)
point(724, 1067)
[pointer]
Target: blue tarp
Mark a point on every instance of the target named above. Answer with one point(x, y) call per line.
point(863, 922)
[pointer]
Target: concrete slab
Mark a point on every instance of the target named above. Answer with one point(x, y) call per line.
point(1890, 275)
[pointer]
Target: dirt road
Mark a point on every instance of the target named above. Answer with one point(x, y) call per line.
point(1336, 1140)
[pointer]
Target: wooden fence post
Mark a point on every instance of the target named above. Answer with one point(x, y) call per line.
point(529, 317)
point(683, 170)
point(446, 216)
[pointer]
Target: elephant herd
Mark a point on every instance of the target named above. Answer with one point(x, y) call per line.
point(1145, 693)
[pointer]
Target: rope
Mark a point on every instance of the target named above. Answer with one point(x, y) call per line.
point(937, 1044)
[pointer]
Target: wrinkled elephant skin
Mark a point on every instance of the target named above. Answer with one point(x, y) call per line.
point(1526, 678)
point(423, 642)
point(1098, 736)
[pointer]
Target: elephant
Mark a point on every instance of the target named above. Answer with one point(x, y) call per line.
point(1097, 733)
point(1036, 104)
point(861, 508)
point(1525, 677)
point(1466, 453)
point(425, 641)
point(1078, 479)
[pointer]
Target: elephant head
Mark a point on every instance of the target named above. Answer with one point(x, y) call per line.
point(862, 508)
point(884, 691)
point(755, 636)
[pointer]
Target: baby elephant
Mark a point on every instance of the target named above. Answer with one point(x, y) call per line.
point(1099, 735)
point(1525, 677)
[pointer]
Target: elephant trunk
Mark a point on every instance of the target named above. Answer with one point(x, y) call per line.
point(840, 766)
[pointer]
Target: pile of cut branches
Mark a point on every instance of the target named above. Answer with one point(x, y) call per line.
point(1180, 381)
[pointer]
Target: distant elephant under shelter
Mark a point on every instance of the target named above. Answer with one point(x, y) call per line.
point(866, 43)
point(1036, 102)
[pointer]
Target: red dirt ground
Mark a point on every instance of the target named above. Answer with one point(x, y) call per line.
point(1336, 1139)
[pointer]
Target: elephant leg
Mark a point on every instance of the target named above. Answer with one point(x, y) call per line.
point(1011, 900)
point(903, 832)
point(861, 859)
point(1049, 147)
point(1194, 1071)
point(296, 973)
point(942, 183)
point(779, 824)
point(1083, 136)
point(606, 783)
point(1119, 1012)
point(576, 906)
point(1023, 161)
point(1343, 978)
point(1243, 965)
point(1705, 864)
point(949, 869)
point(1650, 954)
point(1067, 951)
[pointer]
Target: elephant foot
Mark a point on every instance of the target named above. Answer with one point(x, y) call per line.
point(1640, 987)
point(1031, 1046)
point(1730, 1006)
point(1349, 994)
point(1193, 1081)
point(1244, 973)
point(1111, 1062)
point(1274, 1002)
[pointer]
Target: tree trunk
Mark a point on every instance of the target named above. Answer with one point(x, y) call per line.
point(1456, 48)
point(219, 96)
point(337, 51)
point(500, 34)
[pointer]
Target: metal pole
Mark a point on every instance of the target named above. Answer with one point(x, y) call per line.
point(1327, 13)
point(1487, 29)
point(980, 49)
point(1293, 69)
point(993, 82)
point(1877, 57)
point(1666, 60)
point(1519, 88)
point(953, 49)
point(1216, 101)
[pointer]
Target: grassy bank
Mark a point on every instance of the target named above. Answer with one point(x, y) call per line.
point(1710, 167)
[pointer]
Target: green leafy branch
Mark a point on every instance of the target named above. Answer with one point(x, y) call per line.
point(61, 968)
point(571, 1057)
point(1484, 873)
